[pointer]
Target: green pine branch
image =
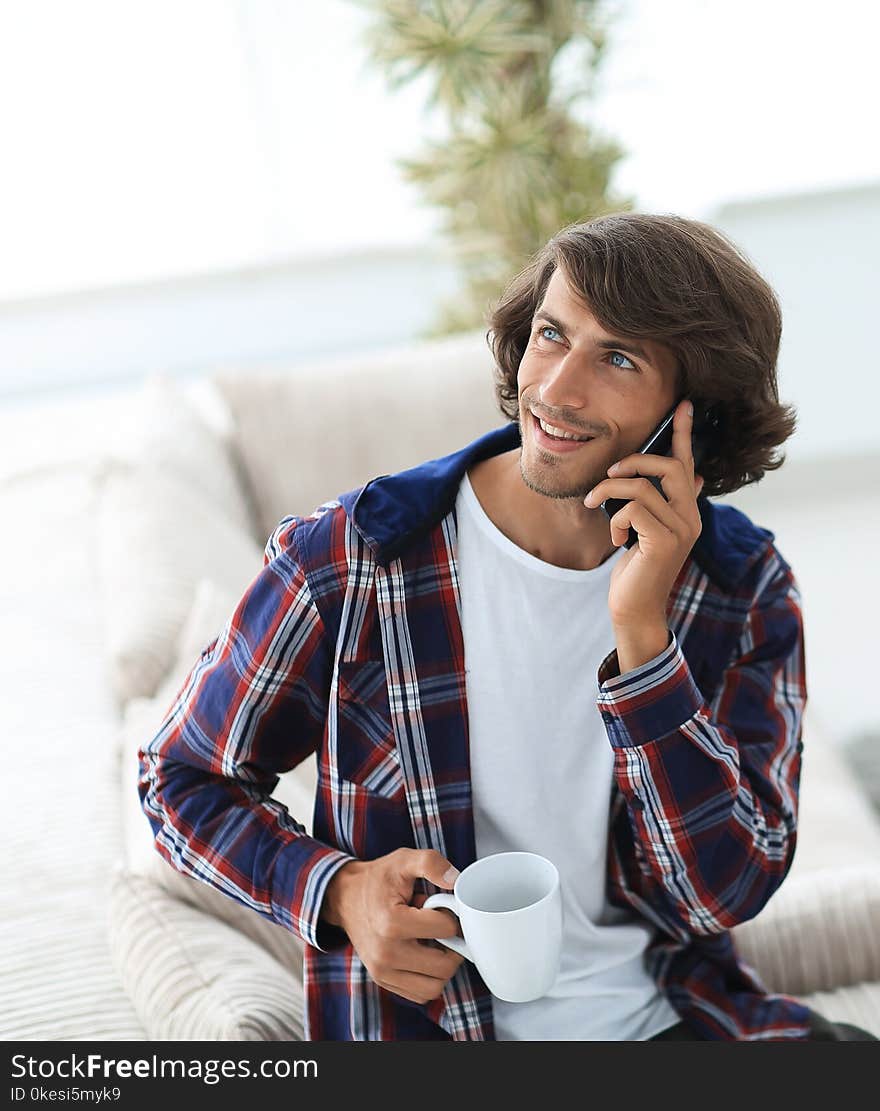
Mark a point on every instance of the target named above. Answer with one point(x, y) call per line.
point(517, 164)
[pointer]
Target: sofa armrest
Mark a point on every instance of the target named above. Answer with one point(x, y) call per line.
point(820, 931)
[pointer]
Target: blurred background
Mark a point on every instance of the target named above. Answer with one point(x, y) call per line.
point(201, 185)
point(223, 219)
point(193, 183)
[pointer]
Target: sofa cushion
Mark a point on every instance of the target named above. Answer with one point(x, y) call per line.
point(820, 931)
point(862, 751)
point(171, 431)
point(171, 425)
point(858, 1004)
point(192, 976)
point(387, 411)
point(280, 943)
point(837, 825)
point(157, 536)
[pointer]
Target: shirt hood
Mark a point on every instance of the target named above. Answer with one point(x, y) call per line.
point(393, 510)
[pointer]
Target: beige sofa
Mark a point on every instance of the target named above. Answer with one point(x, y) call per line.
point(138, 520)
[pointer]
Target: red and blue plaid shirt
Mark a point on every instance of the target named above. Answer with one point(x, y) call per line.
point(348, 644)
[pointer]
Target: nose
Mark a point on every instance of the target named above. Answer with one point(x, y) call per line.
point(563, 389)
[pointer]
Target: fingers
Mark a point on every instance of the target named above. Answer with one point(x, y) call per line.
point(638, 490)
point(440, 963)
point(396, 940)
point(419, 901)
point(682, 443)
point(410, 922)
point(421, 972)
point(676, 473)
point(413, 986)
point(429, 864)
point(643, 521)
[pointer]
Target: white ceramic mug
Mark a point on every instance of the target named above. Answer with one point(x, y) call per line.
point(510, 909)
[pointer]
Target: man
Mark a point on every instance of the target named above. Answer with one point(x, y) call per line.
point(481, 665)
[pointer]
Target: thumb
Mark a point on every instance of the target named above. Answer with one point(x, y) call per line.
point(450, 876)
point(700, 481)
point(433, 866)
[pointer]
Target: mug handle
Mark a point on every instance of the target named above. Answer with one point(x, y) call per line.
point(442, 899)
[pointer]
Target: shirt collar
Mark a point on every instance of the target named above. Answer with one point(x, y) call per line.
point(392, 511)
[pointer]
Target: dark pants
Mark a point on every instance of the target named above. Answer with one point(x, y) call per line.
point(821, 1030)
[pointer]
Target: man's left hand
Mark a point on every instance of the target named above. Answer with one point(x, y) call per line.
point(667, 530)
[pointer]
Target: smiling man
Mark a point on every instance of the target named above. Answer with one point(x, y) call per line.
point(481, 665)
point(580, 381)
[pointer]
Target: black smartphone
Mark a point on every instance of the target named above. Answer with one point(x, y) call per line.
point(704, 428)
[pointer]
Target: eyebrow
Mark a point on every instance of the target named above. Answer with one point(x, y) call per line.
point(610, 343)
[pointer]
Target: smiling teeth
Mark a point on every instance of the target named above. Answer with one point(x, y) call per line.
point(559, 434)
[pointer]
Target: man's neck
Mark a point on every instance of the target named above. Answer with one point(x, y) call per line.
point(558, 531)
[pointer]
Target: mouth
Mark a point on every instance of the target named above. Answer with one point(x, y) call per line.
point(553, 443)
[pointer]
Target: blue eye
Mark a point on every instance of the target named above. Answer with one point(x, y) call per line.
point(632, 366)
point(623, 357)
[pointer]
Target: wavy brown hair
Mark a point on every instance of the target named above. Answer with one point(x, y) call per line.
point(684, 284)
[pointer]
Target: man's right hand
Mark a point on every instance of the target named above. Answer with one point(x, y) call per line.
point(372, 901)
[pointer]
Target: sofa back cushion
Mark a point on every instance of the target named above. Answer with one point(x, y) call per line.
point(313, 432)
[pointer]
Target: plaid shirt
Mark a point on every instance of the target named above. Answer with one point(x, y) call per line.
point(348, 643)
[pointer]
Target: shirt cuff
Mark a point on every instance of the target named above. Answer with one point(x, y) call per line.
point(303, 871)
point(652, 700)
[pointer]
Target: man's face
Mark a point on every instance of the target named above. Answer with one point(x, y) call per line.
point(577, 377)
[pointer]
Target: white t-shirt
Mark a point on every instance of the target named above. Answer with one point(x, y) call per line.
point(541, 773)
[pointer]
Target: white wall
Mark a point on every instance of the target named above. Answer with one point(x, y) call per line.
point(817, 250)
point(278, 315)
point(820, 253)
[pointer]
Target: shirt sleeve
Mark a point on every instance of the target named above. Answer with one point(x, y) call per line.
point(713, 789)
point(253, 706)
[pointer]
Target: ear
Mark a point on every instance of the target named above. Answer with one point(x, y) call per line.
point(700, 482)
